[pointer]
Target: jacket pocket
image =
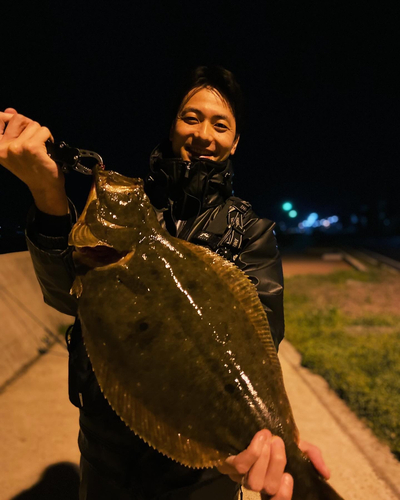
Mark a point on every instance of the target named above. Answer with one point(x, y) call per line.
point(83, 389)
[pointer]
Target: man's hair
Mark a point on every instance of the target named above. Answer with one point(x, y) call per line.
point(215, 78)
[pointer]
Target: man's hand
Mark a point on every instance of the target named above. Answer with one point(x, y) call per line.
point(315, 455)
point(23, 152)
point(260, 467)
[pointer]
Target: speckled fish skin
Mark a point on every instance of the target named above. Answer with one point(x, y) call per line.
point(179, 341)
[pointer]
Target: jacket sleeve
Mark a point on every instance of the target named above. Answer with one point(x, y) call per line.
point(260, 259)
point(52, 262)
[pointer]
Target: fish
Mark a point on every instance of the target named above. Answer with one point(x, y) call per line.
point(178, 338)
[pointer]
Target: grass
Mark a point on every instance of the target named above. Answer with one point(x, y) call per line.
point(335, 323)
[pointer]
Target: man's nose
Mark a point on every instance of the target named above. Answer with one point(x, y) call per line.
point(204, 131)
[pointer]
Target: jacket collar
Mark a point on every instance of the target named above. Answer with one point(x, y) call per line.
point(191, 187)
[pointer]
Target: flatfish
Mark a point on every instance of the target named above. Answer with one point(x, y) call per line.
point(178, 338)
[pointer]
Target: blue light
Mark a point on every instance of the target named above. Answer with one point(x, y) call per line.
point(293, 214)
point(354, 219)
point(312, 218)
point(287, 206)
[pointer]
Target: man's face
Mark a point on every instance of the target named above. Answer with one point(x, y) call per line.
point(204, 128)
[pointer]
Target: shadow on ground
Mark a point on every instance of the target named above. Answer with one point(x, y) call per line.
point(59, 481)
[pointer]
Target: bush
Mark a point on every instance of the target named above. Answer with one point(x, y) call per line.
point(362, 367)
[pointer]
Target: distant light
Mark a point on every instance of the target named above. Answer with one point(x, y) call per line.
point(354, 219)
point(312, 218)
point(293, 214)
point(287, 206)
point(333, 219)
point(326, 223)
point(301, 225)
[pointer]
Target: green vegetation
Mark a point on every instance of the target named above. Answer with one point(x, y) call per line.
point(347, 327)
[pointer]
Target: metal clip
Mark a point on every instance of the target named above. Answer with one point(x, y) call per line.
point(188, 166)
point(68, 158)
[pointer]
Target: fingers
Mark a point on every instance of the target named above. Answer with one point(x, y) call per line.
point(255, 478)
point(31, 141)
point(315, 455)
point(15, 126)
point(240, 464)
point(285, 491)
point(28, 132)
point(261, 466)
point(23, 152)
point(21, 127)
point(34, 135)
point(4, 119)
point(245, 460)
point(267, 471)
point(276, 466)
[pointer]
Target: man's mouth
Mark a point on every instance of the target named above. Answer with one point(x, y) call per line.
point(200, 153)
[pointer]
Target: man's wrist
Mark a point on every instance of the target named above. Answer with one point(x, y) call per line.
point(51, 202)
point(52, 225)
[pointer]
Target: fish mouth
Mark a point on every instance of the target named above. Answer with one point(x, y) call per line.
point(89, 250)
point(98, 256)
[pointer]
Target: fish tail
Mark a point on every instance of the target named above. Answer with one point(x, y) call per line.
point(308, 483)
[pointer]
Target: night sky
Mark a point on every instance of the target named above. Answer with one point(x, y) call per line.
point(320, 80)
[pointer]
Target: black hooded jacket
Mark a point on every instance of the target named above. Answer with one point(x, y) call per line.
point(104, 440)
point(204, 208)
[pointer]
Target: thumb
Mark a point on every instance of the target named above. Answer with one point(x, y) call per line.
point(11, 111)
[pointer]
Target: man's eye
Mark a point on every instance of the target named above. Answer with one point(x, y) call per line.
point(221, 126)
point(190, 119)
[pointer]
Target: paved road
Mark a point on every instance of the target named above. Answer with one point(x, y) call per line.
point(39, 455)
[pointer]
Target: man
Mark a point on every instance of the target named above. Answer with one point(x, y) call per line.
point(190, 188)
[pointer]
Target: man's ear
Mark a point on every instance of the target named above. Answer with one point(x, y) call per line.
point(235, 143)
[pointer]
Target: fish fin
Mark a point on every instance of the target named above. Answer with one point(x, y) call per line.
point(76, 288)
point(308, 483)
point(142, 422)
point(244, 290)
point(246, 294)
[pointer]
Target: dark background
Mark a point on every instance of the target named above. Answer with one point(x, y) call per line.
point(320, 79)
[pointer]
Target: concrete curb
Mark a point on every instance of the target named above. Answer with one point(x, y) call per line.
point(377, 454)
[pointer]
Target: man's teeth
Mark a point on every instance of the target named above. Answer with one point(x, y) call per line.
point(199, 153)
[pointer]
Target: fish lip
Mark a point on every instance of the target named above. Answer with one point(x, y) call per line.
point(99, 255)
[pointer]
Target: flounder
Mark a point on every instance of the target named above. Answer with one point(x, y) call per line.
point(178, 338)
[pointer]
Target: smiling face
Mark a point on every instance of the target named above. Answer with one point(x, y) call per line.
point(204, 128)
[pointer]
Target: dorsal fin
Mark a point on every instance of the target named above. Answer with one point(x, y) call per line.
point(246, 294)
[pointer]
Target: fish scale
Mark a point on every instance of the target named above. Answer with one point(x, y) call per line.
point(179, 341)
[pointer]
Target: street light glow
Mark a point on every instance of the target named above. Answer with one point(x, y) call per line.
point(287, 206)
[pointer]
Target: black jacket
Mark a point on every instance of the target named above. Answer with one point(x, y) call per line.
point(104, 439)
